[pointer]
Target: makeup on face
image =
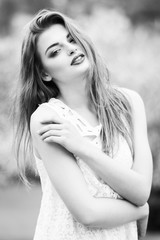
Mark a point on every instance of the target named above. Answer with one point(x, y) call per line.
point(69, 38)
point(78, 59)
point(62, 57)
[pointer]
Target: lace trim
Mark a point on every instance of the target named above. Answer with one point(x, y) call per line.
point(55, 222)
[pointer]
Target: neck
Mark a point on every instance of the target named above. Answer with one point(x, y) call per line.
point(75, 96)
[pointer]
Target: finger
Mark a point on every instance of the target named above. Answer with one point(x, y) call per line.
point(54, 139)
point(51, 118)
point(50, 133)
point(49, 127)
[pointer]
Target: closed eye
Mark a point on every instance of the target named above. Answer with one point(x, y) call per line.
point(71, 39)
point(54, 53)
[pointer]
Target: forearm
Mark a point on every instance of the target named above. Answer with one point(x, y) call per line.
point(60, 164)
point(142, 226)
point(128, 183)
point(110, 213)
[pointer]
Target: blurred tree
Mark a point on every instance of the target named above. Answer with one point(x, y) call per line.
point(133, 59)
point(138, 11)
point(10, 7)
point(33, 6)
point(7, 9)
point(142, 11)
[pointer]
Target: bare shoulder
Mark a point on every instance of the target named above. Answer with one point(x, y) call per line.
point(37, 117)
point(44, 113)
point(138, 108)
point(35, 121)
point(133, 97)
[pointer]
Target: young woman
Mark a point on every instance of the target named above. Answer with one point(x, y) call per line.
point(89, 138)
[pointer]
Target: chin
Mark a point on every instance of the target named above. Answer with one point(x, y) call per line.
point(84, 67)
point(83, 72)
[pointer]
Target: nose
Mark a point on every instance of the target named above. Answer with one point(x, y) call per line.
point(71, 50)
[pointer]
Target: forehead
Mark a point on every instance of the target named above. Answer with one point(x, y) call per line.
point(53, 34)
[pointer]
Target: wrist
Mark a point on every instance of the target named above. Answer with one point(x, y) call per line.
point(83, 148)
point(144, 211)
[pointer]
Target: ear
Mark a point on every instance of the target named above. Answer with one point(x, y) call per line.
point(46, 77)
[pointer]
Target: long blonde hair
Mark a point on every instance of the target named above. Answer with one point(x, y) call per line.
point(112, 107)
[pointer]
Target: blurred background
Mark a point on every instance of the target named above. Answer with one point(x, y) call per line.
point(127, 34)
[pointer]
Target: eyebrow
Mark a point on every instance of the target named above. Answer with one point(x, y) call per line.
point(55, 44)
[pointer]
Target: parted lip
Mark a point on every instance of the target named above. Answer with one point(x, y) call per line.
point(77, 56)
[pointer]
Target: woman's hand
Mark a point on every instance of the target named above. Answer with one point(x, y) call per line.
point(62, 132)
point(142, 223)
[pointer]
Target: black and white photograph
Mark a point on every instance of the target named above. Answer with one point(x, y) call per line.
point(79, 120)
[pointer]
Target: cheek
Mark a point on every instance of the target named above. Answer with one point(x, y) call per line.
point(56, 66)
point(60, 69)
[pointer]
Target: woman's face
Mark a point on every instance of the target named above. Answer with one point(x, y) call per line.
point(62, 58)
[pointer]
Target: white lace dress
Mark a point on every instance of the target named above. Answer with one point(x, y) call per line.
point(55, 222)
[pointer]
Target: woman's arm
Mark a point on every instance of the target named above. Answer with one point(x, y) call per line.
point(132, 184)
point(69, 182)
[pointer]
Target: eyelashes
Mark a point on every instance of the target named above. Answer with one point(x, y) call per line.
point(54, 53)
point(71, 40)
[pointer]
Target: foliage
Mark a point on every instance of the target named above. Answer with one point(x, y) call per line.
point(136, 10)
point(132, 53)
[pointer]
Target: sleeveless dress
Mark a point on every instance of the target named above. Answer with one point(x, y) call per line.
point(55, 222)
